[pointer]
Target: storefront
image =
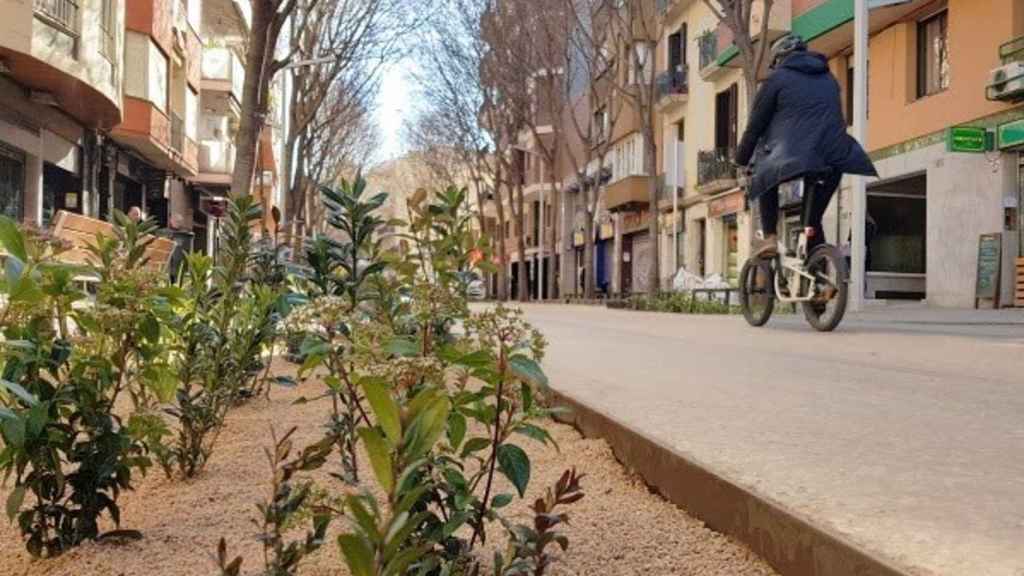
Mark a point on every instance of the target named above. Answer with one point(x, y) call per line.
point(726, 209)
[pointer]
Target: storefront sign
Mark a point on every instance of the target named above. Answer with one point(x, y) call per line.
point(970, 139)
point(729, 204)
point(990, 259)
point(1011, 134)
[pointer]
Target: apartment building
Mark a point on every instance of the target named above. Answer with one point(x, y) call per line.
point(112, 104)
point(943, 72)
point(60, 91)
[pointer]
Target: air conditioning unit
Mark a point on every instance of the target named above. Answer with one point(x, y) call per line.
point(1007, 82)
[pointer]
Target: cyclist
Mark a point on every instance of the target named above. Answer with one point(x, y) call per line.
point(797, 130)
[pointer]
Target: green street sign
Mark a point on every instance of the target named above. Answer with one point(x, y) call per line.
point(968, 139)
point(1011, 134)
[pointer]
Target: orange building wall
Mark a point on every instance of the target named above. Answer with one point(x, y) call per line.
point(976, 30)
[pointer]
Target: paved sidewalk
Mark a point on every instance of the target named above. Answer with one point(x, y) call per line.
point(903, 433)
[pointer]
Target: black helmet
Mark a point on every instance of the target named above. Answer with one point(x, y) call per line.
point(785, 46)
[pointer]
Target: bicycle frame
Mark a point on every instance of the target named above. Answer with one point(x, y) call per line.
point(793, 267)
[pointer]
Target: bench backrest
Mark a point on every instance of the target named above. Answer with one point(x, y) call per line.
point(80, 231)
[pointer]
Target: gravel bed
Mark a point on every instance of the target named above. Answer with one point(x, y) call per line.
point(619, 528)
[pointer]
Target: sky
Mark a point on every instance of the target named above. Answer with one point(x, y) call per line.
point(395, 106)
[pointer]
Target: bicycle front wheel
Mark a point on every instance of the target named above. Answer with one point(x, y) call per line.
point(757, 291)
point(831, 288)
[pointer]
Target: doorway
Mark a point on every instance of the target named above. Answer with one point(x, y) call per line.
point(12, 182)
point(626, 277)
point(61, 191)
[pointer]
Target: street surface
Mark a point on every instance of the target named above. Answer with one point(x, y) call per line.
point(902, 432)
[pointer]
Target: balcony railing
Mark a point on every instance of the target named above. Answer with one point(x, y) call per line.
point(223, 64)
point(61, 13)
point(707, 45)
point(673, 82)
point(216, 157)
point(715, 165)
point(177, 133)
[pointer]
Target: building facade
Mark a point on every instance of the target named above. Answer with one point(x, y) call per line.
point(945, 129)
point(111, 104)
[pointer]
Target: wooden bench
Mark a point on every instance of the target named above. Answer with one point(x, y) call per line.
point(81, 231)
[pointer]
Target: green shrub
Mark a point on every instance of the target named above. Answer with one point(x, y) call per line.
point(64, 368)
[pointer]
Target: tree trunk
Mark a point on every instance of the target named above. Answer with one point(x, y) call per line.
point(254, 98)
point(650, 159)
point(589, 274)
point(499, 206)
point(552, 267)
point(524, 278)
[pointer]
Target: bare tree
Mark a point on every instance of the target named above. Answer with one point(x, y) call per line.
point(637, 26)
point(350, 41)
point(337, 143)
point(262, 62)
point(543, 52)
point(736, 15)
point(593, 113)
point(460, 109)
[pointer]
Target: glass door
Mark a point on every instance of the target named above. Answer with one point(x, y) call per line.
point(12, 182)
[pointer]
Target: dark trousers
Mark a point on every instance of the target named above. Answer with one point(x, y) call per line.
point(820, 189)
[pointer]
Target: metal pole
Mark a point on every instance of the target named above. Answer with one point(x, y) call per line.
point(675, 210)
point(860, 132)
point(540, 250)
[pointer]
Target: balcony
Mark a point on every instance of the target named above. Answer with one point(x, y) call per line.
point(629, 193)
point(707, 48)
point(222, 71)
point(716, 171)
point(673, 88)
point(61, 14)
point(216, 162)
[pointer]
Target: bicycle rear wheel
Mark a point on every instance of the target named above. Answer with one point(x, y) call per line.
point(757, 291)
point(828, 267)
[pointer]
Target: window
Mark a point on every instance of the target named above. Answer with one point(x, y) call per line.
point(933, 55)
point(677, 50)
point(726, 118)
point(849, 91)
point(108, 29)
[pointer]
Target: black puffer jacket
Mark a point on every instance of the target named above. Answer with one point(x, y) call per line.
point(797, 127)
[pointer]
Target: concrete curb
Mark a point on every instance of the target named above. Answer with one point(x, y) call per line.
point(792, 545)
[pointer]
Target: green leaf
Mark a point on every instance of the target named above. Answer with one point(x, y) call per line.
point(478, 359)
point(13, 431)
point(475, 445)
point(501, 500)
point(14, 501)
point(380, 457)
point(12, 239)
point(427, 427)
point(402, 347)
point(456, 429)
point(536, 432)
point(20, 392)
point(384, 408)
point(358, 554)
point(515, 465)
point(527, 369)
